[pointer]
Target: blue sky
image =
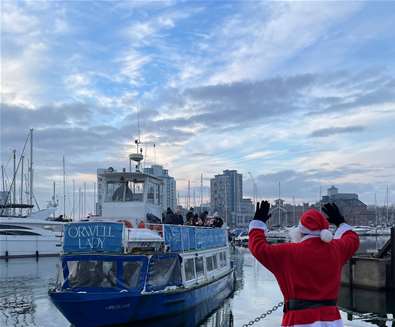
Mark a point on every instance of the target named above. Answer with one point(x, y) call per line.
point(297, 92)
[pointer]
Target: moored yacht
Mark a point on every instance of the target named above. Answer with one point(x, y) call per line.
point(23, 231)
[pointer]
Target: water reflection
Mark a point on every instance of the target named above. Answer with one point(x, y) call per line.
point(24, 300)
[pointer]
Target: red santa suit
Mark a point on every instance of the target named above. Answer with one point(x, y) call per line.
point(308, 272)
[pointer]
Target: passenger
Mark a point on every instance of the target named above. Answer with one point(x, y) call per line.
point(203, 216)
point(218, 222)
point(141, 224)
point(180, 219)
point(195, 219)
point(170, 217)
point(308, 270)
point(189, 216)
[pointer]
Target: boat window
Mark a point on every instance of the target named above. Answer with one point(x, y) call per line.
point(209, 263)
point(215, 264)
point(151, 194)
point(164, 270)
point(189, 269)
point(92, 273)
point(13, 227)
point(158, 195)
point(222, 259)
point(121, 191)
point(137, 189)
point(199, 266)
point(131, 273)
point(18, 232)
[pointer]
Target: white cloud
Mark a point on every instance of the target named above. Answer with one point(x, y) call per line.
point(257, 45)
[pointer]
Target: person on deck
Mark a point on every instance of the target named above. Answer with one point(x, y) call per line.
point(308, 269)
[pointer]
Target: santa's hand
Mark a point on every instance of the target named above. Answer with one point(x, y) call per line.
point(262, 211)
point(334, 215)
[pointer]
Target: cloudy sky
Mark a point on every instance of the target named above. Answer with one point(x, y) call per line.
point(301, 93)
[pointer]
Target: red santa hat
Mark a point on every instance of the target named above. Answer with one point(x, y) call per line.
point(314, 223)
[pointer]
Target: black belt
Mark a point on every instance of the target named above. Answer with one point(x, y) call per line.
point(307, 304)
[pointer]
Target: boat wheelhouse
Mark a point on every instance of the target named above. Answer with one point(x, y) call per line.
point(111, 274)
point(128, 196)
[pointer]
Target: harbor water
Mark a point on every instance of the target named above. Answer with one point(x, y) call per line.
point(24, 300)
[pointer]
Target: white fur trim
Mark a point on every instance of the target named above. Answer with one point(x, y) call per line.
point(326, 236)
point(334, 323)
point(341, 230)
point(257, 224)
point(305, 230)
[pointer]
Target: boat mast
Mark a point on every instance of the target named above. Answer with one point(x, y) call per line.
point(21, 191)
point(31, 171)
point(14, 184)
point(2, 177)
point(388, 222)
point(73, 200)
point(64, 189)
point(84, 202)
point(201, 191)
point(279, 204)
point(54, 195)
point(94, 198)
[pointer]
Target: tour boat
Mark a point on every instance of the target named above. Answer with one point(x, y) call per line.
point(111, 274)
point(120, 268)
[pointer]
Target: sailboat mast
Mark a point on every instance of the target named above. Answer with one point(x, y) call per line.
point(2, 177)
point(73, 200)
point(64, 188)
point(21, 191)
point(13, 181)
point(31, 171)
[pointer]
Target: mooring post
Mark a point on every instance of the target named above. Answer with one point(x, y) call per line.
point(393, 256)
point(350, 273)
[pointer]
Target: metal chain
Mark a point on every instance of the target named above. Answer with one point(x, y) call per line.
point(362, 316)
point(366, 316)
point(264, 315)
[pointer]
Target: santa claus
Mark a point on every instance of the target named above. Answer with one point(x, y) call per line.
point(308, 269)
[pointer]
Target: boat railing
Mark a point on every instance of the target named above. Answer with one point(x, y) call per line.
point(183, 238)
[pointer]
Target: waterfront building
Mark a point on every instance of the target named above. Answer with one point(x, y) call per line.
point(226, 193)
point(169, 193)
point(243, 216)
point(353, 209)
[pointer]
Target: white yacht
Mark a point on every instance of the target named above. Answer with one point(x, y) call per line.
point(30, 236)
point(24, 232)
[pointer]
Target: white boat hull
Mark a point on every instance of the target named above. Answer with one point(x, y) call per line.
point(29, 246)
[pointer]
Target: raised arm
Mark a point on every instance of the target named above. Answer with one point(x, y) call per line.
point(271, 256)
point(346, 240)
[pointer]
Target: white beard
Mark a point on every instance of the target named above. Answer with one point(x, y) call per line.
point(295, 235)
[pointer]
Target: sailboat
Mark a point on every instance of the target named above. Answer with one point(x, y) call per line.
point(24, 232)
